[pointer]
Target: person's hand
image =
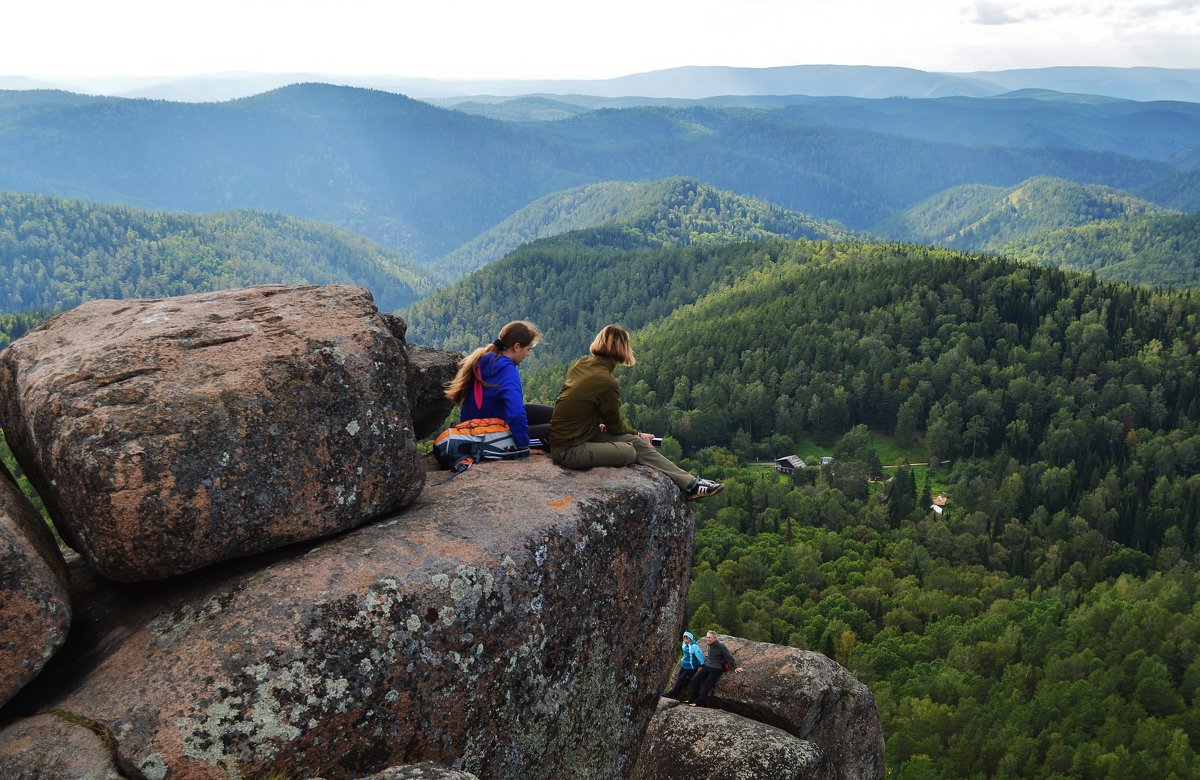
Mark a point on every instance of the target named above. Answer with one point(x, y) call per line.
point(739, 670)
point(647, 437)
point(536, 451)
point(603, 428)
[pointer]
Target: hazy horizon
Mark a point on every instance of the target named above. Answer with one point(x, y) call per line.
point(541, 40)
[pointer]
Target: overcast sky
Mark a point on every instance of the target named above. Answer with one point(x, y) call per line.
point(577, 39)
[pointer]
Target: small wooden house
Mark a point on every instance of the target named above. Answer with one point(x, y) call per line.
point(789, 463)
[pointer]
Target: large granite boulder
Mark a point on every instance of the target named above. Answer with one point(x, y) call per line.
point(684, 743)
point(809, 696)
point(167, 434)
point(516, 621)
point(35, 608)
point(429, 371)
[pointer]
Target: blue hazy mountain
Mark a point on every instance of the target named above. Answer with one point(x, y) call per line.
point(426, 180)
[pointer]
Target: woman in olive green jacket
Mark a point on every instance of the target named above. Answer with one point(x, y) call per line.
point(586, 428)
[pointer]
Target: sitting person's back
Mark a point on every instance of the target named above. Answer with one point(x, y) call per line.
point(488, 384)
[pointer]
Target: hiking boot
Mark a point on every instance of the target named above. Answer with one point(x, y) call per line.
point(703, 488)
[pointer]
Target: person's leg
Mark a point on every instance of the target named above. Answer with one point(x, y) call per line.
point(595, 453)
point(697, 682)
point(538, 416)
point(648, 455)
point(681, 681)
point(623, 449)
point(710, 680)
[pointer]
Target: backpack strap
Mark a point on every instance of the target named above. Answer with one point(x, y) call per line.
point(460, 465)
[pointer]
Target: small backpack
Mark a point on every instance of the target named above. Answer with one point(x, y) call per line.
point(472, 441)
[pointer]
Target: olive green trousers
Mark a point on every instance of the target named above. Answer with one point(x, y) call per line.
point(619, 449)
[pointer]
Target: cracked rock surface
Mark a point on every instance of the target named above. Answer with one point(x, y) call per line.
point(516, 621)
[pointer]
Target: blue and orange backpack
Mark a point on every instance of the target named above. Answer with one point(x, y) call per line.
point(471, 441)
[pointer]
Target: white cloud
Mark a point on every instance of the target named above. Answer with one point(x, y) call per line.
point(993, 13)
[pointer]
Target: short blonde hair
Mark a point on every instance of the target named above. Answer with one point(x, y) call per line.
point(613, 342)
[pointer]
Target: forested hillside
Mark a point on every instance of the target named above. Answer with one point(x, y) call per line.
point(1180, 191)
point(974, 217)
point(56, 253)
point(1042, 651)
point(1046, 624)
point(1161, 250)
point(425, 180)
point(574, 284)
point(670, 212)
point(1092, 388)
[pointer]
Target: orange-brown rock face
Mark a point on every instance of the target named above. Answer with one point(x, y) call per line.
point(35, 610)
point(516, 621)
point(804, 694)
point(167, 434)
point(685, 743)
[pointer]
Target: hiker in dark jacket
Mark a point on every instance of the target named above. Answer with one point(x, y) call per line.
point(586, 428)
point(487, 384)
point(714, 667)
point(693, 659)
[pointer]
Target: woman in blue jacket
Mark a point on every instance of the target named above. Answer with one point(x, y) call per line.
point(693, 659)
point(487, 384)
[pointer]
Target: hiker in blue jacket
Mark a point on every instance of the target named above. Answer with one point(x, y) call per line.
point(487, 384)
point(693, 659)
point(719, 660)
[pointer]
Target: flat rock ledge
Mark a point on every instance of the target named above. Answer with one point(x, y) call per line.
point(516, 621)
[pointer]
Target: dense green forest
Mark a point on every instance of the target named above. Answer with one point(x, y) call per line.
point(426, 180)
point(1091, 387)
point(1164, 250)
point(1047, 625)
point(1180, 191)
point(975, 217)
point(670, 212)
point(1044, 651)
point(56, 253)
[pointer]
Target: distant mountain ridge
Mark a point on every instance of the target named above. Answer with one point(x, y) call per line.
point(975, 216)
point(1162, 250)
point(426, 180)
point(670, 212)
point(56, 253)
point(683, 82)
